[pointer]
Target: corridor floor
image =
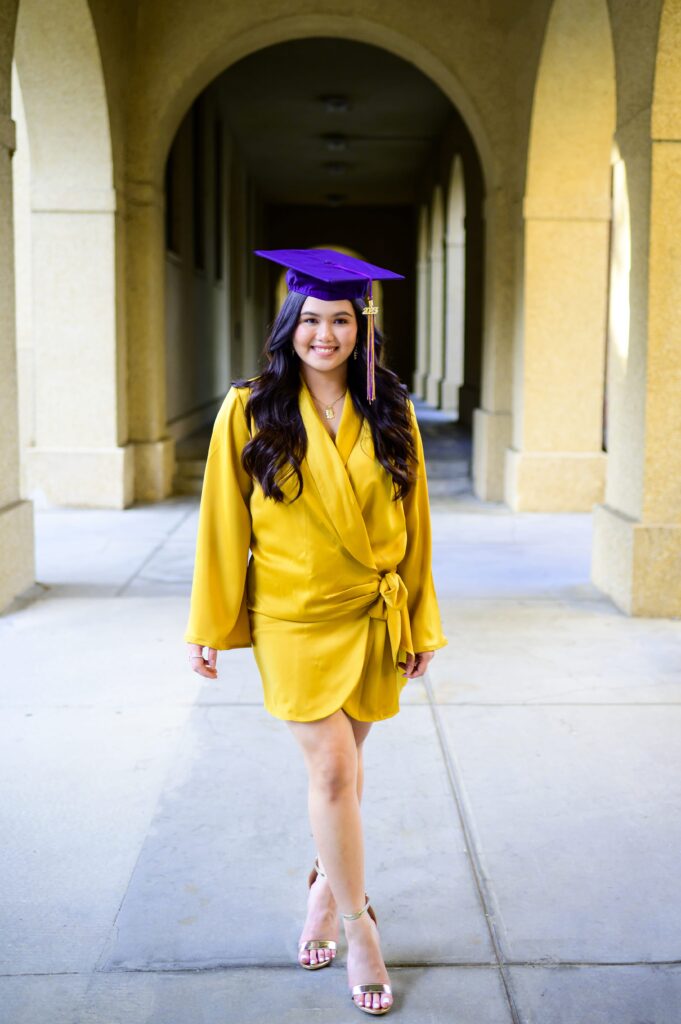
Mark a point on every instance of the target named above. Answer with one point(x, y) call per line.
point(522, 811)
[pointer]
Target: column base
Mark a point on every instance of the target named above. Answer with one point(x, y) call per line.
point(554, 481)
point(17, 559)
point(433, 391)
point(154, 469)
point(491, 438)
point(81, 477)
point(636, 564)
point(450, 395)
point(418, 383)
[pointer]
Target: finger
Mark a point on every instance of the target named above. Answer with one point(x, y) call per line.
point(211, 658)
point(202, 669)
point(409, 668)
point(422, 661)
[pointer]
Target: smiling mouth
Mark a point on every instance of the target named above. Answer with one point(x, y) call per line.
point(324, 348)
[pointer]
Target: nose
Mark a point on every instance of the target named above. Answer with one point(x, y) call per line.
point(324, 331)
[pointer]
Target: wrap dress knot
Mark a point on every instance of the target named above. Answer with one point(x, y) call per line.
point(391, 605)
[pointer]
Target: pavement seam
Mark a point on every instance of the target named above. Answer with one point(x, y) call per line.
point(406, 966)
point(486, 900)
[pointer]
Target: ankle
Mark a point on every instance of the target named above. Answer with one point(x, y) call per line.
point(358, 928)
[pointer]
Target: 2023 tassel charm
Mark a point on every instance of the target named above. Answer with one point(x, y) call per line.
point(370, 312)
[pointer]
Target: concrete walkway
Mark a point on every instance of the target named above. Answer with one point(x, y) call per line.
point(522, 811)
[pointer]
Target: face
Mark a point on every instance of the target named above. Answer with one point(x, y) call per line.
point(326, 333)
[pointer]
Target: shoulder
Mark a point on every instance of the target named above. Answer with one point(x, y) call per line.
point(236, 397)
point(231, 417)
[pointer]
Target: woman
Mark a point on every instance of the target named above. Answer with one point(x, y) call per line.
point(323, 479)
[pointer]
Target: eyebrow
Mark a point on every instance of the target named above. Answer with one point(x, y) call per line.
point(313, 312)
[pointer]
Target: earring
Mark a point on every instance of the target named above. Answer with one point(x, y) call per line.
point(354, 352)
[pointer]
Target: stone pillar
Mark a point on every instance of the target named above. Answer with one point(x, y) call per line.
point(455, 290)
point(437, 301)
point(557, 462)
point(80, 456)
point(145, 290)
point(17, 568)
point(637, 530)
point(422, 305)
point(492, 421)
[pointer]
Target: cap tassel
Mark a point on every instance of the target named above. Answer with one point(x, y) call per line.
point(370, 312)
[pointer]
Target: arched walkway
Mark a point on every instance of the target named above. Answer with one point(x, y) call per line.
point(145, 313)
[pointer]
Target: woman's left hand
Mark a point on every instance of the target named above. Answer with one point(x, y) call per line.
point(416, 664)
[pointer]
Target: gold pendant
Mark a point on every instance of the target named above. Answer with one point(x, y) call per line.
point(328, 412)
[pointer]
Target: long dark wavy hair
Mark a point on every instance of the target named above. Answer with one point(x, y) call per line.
point(277, 449)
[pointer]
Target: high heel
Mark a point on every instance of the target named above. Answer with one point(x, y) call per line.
point(359, 990)
point(311, 944)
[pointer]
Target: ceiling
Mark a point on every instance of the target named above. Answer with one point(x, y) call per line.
point(333, 122)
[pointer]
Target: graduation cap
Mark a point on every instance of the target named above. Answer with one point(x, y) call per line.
point(327, 274)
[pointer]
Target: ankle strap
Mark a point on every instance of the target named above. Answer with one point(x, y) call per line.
point(353, 917)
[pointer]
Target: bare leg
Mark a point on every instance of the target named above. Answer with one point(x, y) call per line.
point(330, 751)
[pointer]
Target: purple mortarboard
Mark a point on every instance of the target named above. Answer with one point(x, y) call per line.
point(327, 274)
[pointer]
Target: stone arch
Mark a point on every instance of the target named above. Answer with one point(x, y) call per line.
point(146, 163)
point(76, 355)
point(556, 462)
point(155, 115)
point(455, 233)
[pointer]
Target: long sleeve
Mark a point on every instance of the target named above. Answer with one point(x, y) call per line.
point(416, 566)
point(218, 614)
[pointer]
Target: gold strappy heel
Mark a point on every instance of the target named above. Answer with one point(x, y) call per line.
point(315, 943)
point(359, 990)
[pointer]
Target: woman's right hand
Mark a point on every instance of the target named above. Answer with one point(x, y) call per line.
point(203, 665)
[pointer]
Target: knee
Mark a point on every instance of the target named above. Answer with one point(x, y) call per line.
point(334, 774)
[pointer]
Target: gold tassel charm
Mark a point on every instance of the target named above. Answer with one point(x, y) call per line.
point(370, 312)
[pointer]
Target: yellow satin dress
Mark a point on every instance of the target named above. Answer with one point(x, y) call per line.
point(339, 584)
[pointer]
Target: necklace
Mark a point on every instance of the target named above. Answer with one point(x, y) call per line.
point(329, 410)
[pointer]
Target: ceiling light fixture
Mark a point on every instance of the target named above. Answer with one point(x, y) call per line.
point(335, 143)
point(336, 104)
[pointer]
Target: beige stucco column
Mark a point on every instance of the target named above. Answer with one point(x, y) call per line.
point(637, 529)
point(492, 420)
point(557, 462)
point(422, 305)
point(79, 456)
point(17, 570)
point(73, 341)
point(455, 289)
point(145, 284)
point(436, 315)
